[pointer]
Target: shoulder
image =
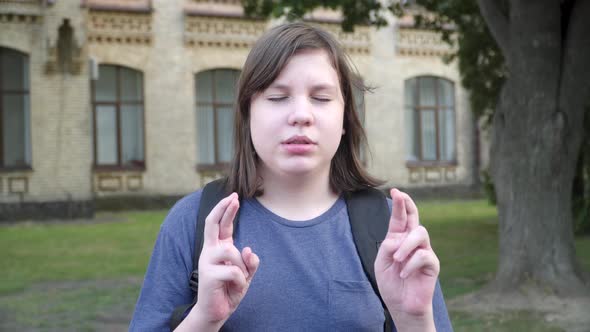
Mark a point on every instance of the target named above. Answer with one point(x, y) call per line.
point(182, 217)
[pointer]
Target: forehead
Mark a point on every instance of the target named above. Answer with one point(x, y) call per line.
point(311, 65)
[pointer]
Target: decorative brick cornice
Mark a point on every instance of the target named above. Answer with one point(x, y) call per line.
point(119, 28)
point(357, 42)
point(413, 42)
point(21, 11)
point(203, 31)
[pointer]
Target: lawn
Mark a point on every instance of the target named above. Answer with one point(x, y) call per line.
point(65, 275)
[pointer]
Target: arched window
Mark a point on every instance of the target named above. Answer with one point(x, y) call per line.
point(430, 119)
point(118, 117)
point(215, 93)
point(15, 145)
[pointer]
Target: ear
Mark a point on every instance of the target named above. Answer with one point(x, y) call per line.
point(343, 131)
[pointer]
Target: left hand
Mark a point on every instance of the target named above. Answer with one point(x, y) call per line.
point(406, 267)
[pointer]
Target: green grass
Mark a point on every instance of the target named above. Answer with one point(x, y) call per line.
point(34, 255)
point(56, 252)
point(73, 308)
point(464, 237)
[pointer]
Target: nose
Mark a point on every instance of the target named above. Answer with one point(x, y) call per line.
point(301, 113)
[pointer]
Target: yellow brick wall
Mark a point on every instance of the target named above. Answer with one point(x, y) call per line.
point(169, 48)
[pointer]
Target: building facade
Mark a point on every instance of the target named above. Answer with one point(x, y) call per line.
point(122, 99)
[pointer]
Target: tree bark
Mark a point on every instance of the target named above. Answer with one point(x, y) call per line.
point(535, 144)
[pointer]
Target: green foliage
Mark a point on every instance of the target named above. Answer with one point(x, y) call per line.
point(480, 61)
point(354, 12)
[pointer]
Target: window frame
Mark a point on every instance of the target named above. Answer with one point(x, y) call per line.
point(215, 105)
point(117, 104)
point(437, 108)
point(24, 92)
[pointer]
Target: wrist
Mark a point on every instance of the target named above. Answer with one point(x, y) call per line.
point(196, 320)
point(414, 323)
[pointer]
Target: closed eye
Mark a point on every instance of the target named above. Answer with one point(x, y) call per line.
point(322, 99)
point(277, 98)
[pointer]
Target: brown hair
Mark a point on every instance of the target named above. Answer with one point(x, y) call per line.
point(266, 60)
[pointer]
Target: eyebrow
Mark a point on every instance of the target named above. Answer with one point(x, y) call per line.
point(316, 87)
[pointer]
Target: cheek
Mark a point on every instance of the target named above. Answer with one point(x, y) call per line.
point(260, 128)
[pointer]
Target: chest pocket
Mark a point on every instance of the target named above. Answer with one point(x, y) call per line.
point(354, 306)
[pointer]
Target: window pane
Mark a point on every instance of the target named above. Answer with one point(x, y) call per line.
point(427, 94)
point(411, 121)
point(14, 130)
point(225, 84)
point(105, 88)
point(106, 135)
point(428, 135)
point(15, 71)
point(446, 94)
point(132, 135)
point(225, 118)
point(447, 134)
point(131, 85)
point(442, 134)
point(206, 143)
point(204, 91)
point(410, 92)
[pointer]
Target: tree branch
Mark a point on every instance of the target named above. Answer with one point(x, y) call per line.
point(498, 24)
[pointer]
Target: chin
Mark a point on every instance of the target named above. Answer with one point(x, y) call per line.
point(298, 168)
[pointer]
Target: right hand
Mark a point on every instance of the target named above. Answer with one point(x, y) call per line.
point(224, 273)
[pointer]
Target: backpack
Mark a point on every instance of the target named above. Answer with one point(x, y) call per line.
point(368, 213)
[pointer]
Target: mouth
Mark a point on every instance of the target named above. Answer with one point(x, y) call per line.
point(298, 139)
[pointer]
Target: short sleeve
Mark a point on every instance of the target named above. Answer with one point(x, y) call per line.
point(165, 285)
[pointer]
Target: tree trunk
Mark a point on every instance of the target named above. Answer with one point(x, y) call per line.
point(533, 178)
point(536, 138)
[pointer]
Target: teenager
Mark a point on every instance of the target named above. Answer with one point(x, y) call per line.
point(291, 263)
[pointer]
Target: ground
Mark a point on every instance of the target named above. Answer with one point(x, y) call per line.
point(571, 314)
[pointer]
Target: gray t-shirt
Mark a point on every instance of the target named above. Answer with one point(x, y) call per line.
point(310, 276)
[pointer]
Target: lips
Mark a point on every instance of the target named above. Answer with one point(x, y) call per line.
point(299, 139)
point(299, 145)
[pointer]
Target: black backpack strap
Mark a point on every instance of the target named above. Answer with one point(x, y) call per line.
point(212, 193)
point(368, 213)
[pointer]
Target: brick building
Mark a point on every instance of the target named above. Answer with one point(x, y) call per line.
point(132, 99)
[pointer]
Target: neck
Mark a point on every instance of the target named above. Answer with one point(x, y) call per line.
point(300, 197)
